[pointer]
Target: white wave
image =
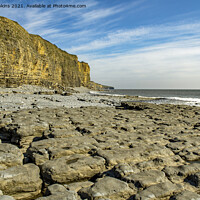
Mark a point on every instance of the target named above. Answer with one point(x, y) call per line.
point(150, 97)
point(195, 100)
point(105, 94)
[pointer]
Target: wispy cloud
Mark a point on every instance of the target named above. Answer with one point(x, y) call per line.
point(93, 16)
point(157, 66)
point(72, 25)
point(128, 56)
point(140, 35)
point(112, 39)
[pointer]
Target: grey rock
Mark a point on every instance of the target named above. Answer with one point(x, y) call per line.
point(63, 133)
point(6, 197)
point(146, 178)
point(54, 148)
point(139, 153)
point(191, 153)
point(186, 195)
point(78, 185)
point(21, 182)
point(177, 173)
point(10, 156)
point(72, 168)
point(158, 191)
point(68, 195)
point(55, 188)
point(107, 187)
point(124, 144)
point(122, 170)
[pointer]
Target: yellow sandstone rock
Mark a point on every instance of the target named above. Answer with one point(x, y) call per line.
point(29, 59)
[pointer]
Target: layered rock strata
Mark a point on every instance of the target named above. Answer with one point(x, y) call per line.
point(29, 59)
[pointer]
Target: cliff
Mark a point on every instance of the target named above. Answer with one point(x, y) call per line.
point(29, 59)
point(97, 86)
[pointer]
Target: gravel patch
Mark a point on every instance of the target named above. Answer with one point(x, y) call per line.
point(28, 97)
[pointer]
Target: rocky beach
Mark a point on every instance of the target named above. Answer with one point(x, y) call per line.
point(61, 140)
point(79, 145)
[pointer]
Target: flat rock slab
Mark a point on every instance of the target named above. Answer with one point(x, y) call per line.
point(6, 197)
point(21, 182)
point(72, 168)
point(186, 195)
point(107, 187)
point(55, 188)
point(158, 191)
point(78, 185)
point(123, 170)
point(58, 191)
point(10, 156)
point(83, 144)
point(15, 127)
point(177, 173)
point(68, 195)
point(191, 153)
point(146, 178)
point(62, 133)
point(135, 154)
point(53, 148)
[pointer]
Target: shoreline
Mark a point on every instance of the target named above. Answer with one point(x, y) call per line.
point(28, 97)
point(111, 149)
point(177, 97)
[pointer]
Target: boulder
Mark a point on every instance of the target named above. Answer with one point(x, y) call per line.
point(134, 106)
point(6, 197)
point(72, 168)
point(53, 148)
point(146, 178)
point(107, 187)
point(136, 154)
point(78, 185)
point(186, 195)
point(55, 188)
point(10, 156)
point(68, 195)
point(178, 173)
point(21, 182)
point(191, 153)
point(158, 191)
point(123, 170)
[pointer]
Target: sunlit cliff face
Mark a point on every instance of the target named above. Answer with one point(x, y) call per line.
point(29, 59)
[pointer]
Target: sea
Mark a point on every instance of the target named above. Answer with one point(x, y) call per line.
point(164, 96)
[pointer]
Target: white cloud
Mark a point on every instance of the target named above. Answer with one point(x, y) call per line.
point(112, 39)
point(162, 56)
point(141, 34)
point(91, 17)
point(170, 65)
point(70, 25)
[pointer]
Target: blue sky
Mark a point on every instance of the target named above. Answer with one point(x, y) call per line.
point(128, 44)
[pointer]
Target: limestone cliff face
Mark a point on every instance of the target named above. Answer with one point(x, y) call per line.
point(29, 59)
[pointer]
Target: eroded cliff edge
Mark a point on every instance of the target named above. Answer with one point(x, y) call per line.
point(29, 59)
